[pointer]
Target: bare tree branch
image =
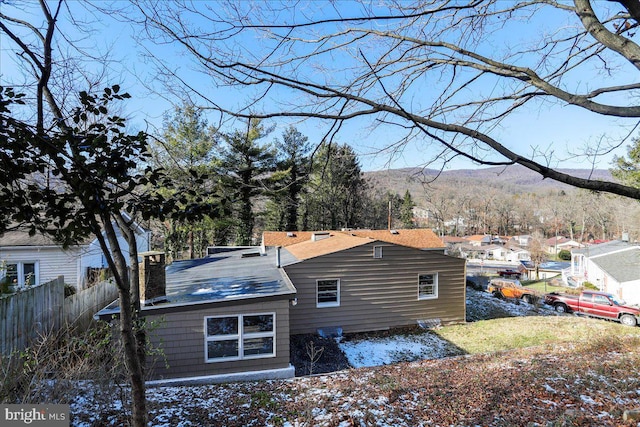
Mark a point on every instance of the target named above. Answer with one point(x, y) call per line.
point(452, 73)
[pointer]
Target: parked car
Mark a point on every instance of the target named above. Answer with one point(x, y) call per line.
point(511, 288)
point(596, 304)
point(509, 273)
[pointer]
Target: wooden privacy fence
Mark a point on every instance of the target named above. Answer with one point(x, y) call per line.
point(80, 308)
point(41, 309)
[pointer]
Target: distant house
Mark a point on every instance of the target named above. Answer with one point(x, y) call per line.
point(479, 240)
point(229, 315)
point(523, 240)
point(514, 253)
point(453, 240)
point(555, 244)
point(613, 267)
point(32, 260)
point(454, 245)
point(546, 270)
point(509, 253)
point(496, 252)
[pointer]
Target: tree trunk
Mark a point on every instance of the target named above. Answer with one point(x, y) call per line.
point(128, 320)
point(191, 246)
point(134, 285)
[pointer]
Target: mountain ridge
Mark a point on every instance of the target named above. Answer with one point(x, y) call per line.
point(513, 179)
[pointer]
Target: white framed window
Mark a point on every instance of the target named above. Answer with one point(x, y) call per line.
point(239, 337)
point(377, 251)
point(327, 293)
point(428, 286)
point(22, 273)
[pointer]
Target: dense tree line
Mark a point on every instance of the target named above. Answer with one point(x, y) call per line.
point(452, 209)
point(290, 183)
point(285, 184)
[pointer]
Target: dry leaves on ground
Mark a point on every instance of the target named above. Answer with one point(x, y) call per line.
point(583, 385)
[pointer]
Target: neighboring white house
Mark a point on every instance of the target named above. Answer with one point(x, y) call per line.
point(555, 244)
point(479, 240)
point(514, 253)
point(523, 240)
point(496, 252)
point(32, 260)
point(613, 267)
point(509, 253)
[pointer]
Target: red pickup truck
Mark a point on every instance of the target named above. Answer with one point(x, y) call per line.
point(509, 273)
point(596, 304)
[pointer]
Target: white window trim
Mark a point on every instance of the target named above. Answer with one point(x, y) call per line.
point(375, 255)
point(20, 271)
point(328, 304)
point(435, 285)
point(240, 336)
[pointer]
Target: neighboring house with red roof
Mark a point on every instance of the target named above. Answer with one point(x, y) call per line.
point(479, 240)
point(555, 244)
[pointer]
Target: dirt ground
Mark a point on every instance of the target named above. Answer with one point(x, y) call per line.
point(312, 354)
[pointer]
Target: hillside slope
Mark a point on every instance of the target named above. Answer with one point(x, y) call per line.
point(513, 179)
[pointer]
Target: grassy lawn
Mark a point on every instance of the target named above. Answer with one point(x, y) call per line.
point(546, 287)
point(488, 336)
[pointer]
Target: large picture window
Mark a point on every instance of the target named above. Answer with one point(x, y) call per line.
point(244, 336)
point(328, 293)
point(428, 286)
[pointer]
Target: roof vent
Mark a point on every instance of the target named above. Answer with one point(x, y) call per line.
point(320, 235)
point(291, 234)
point(394, 232)
point(250, 254)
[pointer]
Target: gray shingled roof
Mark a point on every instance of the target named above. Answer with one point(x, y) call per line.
point(603, 248)
point(22, 238)
point(17, 238)
point(623, 266)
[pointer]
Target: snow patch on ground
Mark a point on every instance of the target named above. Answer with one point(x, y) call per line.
point(371, 352)
point(483, 305)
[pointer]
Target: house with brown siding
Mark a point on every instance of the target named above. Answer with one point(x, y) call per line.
point(218, 318)
point(229, 316)
point(350, 282)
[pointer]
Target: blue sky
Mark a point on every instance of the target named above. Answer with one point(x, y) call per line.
point(562, 130)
